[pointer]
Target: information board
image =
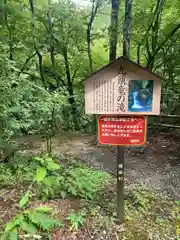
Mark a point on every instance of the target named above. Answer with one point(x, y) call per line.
point(123, 90)
point(122, 130)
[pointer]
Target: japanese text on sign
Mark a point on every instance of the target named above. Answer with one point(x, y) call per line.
point(121, 90)
point(122, 130)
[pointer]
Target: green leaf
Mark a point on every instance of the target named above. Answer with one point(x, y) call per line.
point(14, 234)
point(38, 159)
point(4, 236)
point(12, 224)
point(50, 181)
point(40, 174)
point(28, 227)
point(43, 209)
point(49, 159)
point(53, 166)
point(24, 200)
point(44, 221)
point(76, 219)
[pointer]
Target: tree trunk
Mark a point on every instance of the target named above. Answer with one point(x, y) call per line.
point(127, 28)
point(96, 4)
point(94, 9)
point(89, 49)
point(40, 57)
point(50, 37)
point(70, 89)
point(10, 40)
point(114, 29)
point(73, 108)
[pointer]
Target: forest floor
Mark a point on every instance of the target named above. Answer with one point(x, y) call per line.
point(155, 165)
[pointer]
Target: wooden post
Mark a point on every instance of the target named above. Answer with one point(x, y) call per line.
point(120, 184)
point(120, 150)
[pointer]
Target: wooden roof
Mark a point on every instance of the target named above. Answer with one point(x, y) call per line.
point(122, 58)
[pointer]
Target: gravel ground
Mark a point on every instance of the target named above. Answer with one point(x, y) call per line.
point(165, 179)
point(157, 165)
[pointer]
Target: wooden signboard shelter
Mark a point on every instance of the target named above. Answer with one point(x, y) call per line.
point(122, 94)
point(123, 87)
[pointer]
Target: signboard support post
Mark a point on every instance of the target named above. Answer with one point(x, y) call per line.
point(120, 184)
point(121, 131)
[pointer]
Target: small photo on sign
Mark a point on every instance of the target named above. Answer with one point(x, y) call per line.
point(140, 96)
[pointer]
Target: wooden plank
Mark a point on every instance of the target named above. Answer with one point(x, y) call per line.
point(164, 125)
point(168, 116)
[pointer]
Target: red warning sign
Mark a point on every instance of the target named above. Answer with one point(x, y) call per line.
point(122, 131)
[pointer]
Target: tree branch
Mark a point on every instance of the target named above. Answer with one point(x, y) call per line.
point(26, 62)
point(57, 77)
point(167, 37)
point(68, 75)
point(74, 74)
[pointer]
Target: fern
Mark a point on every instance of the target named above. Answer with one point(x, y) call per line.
point(84, 182)
point(28, 227)
point(76, 219)
point(43, 220)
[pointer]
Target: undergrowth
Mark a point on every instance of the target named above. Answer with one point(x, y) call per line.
point(147, 216)
point(69, 179)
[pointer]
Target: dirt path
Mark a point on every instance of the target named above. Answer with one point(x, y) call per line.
point(157, 165)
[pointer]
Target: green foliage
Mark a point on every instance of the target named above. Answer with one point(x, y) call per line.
point(40, 174)
point(45, 176)
point(20, 170)
point(76, 219)
point(42, 88)
point(25, 199)
point(147, 216)
point(32, 220)
point(141, 199)
point(47, 163)
point(42, 71)
point(42, 220)
point(6, 175)
point(50, 179)
point(84, 182)
point(77, 181)
point(54, 179)
point(109, 221)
